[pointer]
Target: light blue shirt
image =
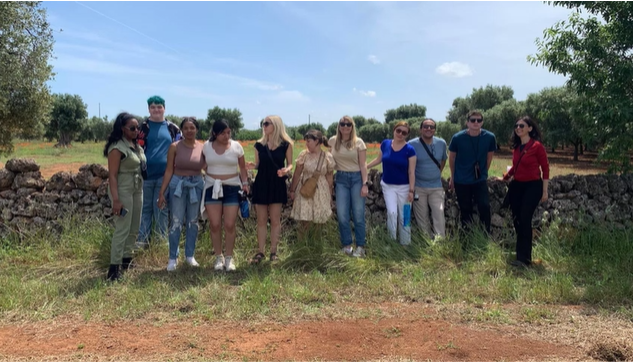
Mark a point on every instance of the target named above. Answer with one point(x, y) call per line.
point(427, 174)
point(158, 142)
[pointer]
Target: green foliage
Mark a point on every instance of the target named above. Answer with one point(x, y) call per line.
point(26, 45)
point(481, 99)
point(446, 130)
point(301, 130)
point(95, 129)
point(331, 130)
point(405, 112)
point(501, 118)
point(232, 116)
point(360, 121)
point(594, 52)
point(67, 118)
point(248, 135)
point(371, 133)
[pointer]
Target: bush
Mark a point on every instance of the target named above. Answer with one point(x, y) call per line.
point(248, 135)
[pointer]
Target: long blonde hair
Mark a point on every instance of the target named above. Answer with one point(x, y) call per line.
point(339, 136)
point(279, 134)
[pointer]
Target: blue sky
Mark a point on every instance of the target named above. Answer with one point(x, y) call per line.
point(294, 59)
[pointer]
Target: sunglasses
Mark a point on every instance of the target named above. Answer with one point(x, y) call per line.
point(426, 126)
point(477, 120)
point(402, 132)
point(133, 128)
point(345, 124)
point(266, 124)
point(519, 125)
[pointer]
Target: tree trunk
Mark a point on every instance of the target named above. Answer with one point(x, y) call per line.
point(582, 148)
point(64, 140)
point(576, 146)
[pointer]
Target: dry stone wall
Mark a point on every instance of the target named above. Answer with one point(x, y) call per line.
point(27, 199)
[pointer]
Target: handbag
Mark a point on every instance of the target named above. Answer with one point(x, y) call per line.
point(308, 189)
point(506, 200)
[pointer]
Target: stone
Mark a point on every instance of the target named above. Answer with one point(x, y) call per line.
point(99, 171)
point(7, 215)
point(19, 220)
point(61, 181)
point(6, 179)
point(380, 203)
point(33, 180)
point(45, 210)
point(85, 180)
point(498, 221)
point(103, 189)
point(24, 192)
point(20, 165)
point(8, 194)
point(46, 197)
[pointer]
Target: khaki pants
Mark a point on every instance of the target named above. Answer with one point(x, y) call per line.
point(126, 227)
point(432, 198)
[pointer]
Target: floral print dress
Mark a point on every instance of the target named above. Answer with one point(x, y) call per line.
point(319, 208)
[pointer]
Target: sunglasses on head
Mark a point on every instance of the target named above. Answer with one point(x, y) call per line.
point(402, 132)
point(345, 124)
point(477, 120)
point(266, 124)
point(519, 125)
point(134, 128)
point(428, 126)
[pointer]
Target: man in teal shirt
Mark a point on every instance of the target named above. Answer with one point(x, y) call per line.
point(155, 137)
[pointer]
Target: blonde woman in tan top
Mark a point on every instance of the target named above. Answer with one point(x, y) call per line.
point(350, 154)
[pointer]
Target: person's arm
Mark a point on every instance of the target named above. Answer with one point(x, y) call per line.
point(544, 163)
point(412, 161)
point(489, 160)
point(169, 172)
point(285, 170)
point(362, 159)
point(243, 173)
point(114, 161)
point(451, 165)
point(376, 160)
point(442, 164)
point(295, 180)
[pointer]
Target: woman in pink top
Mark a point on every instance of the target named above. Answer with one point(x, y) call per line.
point(183, 176)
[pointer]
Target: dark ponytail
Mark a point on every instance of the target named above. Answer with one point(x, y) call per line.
point(117, 133)
point(218, 127)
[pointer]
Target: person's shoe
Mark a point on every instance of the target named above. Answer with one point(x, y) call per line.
point(127, 264)
point(348, 250)
point(113, 273)
point(171, 265)
point(228, 263)
point(359, 252)
point(191, 261)
point(273, 257)
point(139, 245)
point(219, 263)
point(518, 264)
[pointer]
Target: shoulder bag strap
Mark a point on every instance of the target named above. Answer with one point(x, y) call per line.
point(426, 148)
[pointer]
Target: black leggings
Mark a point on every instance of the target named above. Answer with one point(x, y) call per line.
point(465, 196)
point(524, 199)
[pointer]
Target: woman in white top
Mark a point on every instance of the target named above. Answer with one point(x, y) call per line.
point(350, 154)
point(221, 190)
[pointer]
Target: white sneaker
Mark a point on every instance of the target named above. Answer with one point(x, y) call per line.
point(171, 266)
point(347, 250)
point(359, 252)
point(228, 263)
point(192, 262)
point(219, 263)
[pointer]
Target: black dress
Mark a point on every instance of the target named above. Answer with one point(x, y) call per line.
point(268, 188)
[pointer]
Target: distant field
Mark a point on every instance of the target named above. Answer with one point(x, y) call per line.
point(53, 160)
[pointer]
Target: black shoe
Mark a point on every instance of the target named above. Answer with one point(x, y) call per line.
point(113, 273)
point(127, 264)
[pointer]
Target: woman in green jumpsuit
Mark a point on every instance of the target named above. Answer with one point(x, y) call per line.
point(126, 164)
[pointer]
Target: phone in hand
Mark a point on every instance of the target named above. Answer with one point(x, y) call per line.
point(123, 212)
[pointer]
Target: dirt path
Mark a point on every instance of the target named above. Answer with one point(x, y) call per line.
point(386, 339)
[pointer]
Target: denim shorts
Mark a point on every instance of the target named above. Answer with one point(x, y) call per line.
point(231, 196)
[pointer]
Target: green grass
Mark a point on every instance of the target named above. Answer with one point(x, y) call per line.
point(45, 276)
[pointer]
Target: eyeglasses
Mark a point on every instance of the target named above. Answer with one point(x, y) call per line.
point(428, 126)
point(519, 125)
point(402, 132)
point(133, 128)
point(345, 124)
point(478, 120)
point(266, 124)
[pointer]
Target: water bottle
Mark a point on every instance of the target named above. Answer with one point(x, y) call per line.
point(244, 204)
point(406, 215)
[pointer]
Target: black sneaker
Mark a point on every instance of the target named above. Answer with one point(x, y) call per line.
point(113, 273)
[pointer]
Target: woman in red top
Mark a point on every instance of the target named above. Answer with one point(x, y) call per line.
point(529, 160)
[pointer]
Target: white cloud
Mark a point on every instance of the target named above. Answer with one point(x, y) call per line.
point(374, 59)
point(454, 69)
point(370, 93)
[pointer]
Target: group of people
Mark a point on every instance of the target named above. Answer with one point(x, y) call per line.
point(161, 177)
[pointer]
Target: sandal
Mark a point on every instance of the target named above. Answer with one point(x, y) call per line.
point(273, 257)
point(257, 258)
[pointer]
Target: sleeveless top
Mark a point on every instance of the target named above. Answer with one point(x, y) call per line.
point(188, 161)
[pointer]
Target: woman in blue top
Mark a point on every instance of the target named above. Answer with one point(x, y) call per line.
point(398, 178)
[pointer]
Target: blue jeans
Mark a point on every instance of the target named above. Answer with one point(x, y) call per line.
point(151, 212)
point(349, 201)
point(185, 193)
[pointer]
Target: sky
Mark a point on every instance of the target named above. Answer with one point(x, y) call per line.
point(321, 60)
